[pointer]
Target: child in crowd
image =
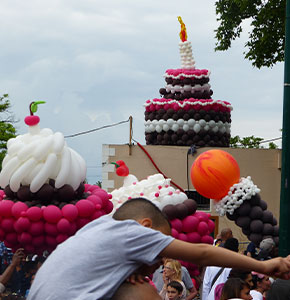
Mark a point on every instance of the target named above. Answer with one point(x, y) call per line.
point(174, 290)
point(94, 262)
point(235, 288)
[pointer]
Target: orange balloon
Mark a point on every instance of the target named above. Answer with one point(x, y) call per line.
point(213, 173)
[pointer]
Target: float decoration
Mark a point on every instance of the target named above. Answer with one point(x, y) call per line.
point(45, 200)
point(187, 224)
point(215, 174)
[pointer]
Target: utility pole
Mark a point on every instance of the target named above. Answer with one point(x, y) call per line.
point(284, 234)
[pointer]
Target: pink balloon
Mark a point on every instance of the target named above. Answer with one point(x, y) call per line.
point(6, 207)
point(109, 207)
point(51, 241)
point(34, 213)
point(52, 214)
point(189, 224)
point(7, 224)
point(87, 186)
point(211, 225)
point(202, 228)
point(36, 228)
point(81, 222)
point(2, 234)
point(11, 238)
point(61, 238)
point(194, 237)
point(207, 239)
point(38, 241)
point(17, 208)
point(29, 249)
point(176, 224)
point(2, 193)
point(174, 233)
point(202, 216)
point(51, 229)
point(96, 215)
point(22, 224)
point(95, 200)
point(85, 208)
point(70, 212)
point(25, 238)
point(63, 226)
point(182, 237)
point(73, 229)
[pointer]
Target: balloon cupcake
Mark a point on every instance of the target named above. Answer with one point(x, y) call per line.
point(215, 174)
point(45, 199)
point(187, 223)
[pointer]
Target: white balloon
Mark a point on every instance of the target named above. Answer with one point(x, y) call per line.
point(46, 132)
point(27, 150)
point(196, 128)
point(185, 127)
point(202, 122)
point(170, 122)
point(211, 123)
point(27, 180)
point(206, 127)
point(215, 129)
point(74, 174)
point(43, 149)
point(15, 147)
point(64, 170)
point(151, 128)
point(82, 164)
point(175, 127)
point(166, 127)
point(58, 142)
point(158, 128)
point(191, 122)
point(180, 122)
point(8, 170)
point(44, 173)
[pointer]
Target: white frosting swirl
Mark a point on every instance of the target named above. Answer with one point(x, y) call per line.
point(39, 155)
point(155, 188)
point(185, 50)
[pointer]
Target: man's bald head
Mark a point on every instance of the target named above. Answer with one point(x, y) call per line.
point(140, 291)
point(226, 233)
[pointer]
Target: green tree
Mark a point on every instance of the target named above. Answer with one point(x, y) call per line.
point(249, 142)
point(265, 45)
point(7, 130)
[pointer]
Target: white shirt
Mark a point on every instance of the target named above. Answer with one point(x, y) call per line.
point(256, 295)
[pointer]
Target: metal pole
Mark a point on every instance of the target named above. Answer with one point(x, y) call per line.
point(130, 135)
point(284, 234)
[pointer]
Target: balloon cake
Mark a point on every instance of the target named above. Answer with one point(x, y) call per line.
point(45, 199)
point(215, 174)
point(187, 223)
point(186, 114)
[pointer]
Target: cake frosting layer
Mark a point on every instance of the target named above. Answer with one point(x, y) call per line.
point(187, 73)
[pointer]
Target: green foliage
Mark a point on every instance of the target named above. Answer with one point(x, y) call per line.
point(249, 142)
point(265, 45)
point(7, 130)
point(99, 183)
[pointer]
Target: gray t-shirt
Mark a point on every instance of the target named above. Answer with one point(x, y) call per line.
point(93, 263)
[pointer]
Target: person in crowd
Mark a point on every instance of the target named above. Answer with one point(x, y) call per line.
point(140, 291)
point(226, 234)
point(280, 290)
point(100, 256)
point(234, 273)
point(172, 272)
point(261, 284)
point(251, 250)
point(5, 256)
point(214, 276)
point(174, 290)
point(185, 277)
point(235, 288)
point(266, 246)
point(7, 274)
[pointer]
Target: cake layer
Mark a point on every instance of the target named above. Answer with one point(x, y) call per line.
point(187, 104)
point(186, 115)
point(182, 138)
point(187, 73)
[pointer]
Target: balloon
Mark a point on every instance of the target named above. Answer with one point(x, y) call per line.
point(34, 213)
point(70, 212)
point(181, 211)
point(182, 237)
point(52, 214)
point(25, 238)
point(61, 238)
point(243, 221)
point(202, 228)
point(6, 208)
point(211, 225)
point(36, 228)
point(22, 224)
point(244, 209)
point(174, 233)
point(38, 241)
point(213, 173)
point(17, 208)
point(11, 238)
point(85, 208)
point(267, 217)
point(51, 229)
point(256, 212)
point(190, 224)
point(256, 226)
point(7, 224)
point(191, 205)
point(63, 226)
point(194, 237)
point(176, 224)
point(202, 216)
point(207, 239)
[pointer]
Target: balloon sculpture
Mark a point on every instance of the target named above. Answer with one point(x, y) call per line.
point(187, 224)
point(215, 174)
point(44, 199)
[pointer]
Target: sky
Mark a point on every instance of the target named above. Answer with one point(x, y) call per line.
point(96, 62)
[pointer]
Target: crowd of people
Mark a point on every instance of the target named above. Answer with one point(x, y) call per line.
point(94, 263)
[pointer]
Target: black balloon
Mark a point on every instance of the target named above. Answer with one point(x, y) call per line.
point(66, 193)
point(267, 216)
point(256, 226)
point(24, 193)
point(232, 217)
point(191, 206)
point(169, 211)
point(8, 192)
point(263, 204)
point(276, 230)
point(274, 221)
point(268, 229)
point(45, 193)
point(181, 211)
point(246, 231)
point(256, 238)
point(255, 200)
point(244, 209)
point(256, 212)
point(243, 221)
point(80, 189)
point(276, 240)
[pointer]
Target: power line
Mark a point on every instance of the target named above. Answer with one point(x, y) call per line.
point(96, 129)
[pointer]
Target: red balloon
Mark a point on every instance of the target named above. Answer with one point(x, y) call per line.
point(63, 226)
point(6, 208)
point(7, 224)
point(85, 208)
point(70, 212)
point(213, 173)
point(182, 237)
point(81, 222)
point(189, 224)
point(12, 238)
point(51, 229)
point(17, 208)
point(34, 213)
point(176, 224)
point(202, 228)
point(38, 241)
point(109, 207)
point(61, 238)
point(194, 237)
point(36, 228)
point(202, 216)
point(52, 214)
point(51, 241)
point(207, 239)
point(174, 233)
point(25, 238)
point(211, 225)
point(95, 200)
point(22, 224)
point(96, 215)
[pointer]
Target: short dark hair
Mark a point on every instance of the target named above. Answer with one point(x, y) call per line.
point(138, 208)
point(237, 273)
point(232, 288)
point(232, 244)
point(176, 285)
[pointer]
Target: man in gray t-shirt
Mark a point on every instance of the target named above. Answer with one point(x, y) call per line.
point(92, 264)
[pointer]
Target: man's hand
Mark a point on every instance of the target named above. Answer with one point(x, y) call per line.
point(278, 267)
point(136, 278)
point(18, 256)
